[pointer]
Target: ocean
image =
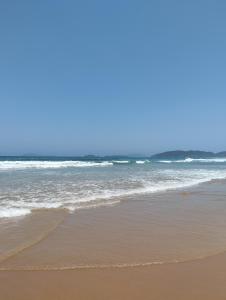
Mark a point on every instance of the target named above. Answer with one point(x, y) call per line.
point(38, 183)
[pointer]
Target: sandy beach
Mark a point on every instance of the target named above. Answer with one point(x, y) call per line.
point(113, 150)
point(196, 280)
point(166, 246)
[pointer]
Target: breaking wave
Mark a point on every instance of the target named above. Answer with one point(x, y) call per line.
point(121, 161)
point(72, 195)
point(142, 161)
point(13, 212)
point(20, 165)
point(190, 160)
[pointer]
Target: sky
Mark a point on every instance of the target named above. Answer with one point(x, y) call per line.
point(112, 77)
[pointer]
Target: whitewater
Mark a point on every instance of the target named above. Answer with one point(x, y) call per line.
point(27, 184)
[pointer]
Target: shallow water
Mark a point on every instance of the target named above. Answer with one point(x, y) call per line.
point(153, 229)
point(110, 213)
point(26, 185)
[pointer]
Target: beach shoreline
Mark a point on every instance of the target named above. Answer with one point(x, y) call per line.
point(164, 246)
point(200, 279)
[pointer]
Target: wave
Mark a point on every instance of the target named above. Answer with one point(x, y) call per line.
point(142, 161)
point(128, 161)
point(104, 195)
point(189, 160)
point(20, 165)
point(14, 212)
point(121, 161)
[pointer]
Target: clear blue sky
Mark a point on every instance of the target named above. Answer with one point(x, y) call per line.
point(109, 77)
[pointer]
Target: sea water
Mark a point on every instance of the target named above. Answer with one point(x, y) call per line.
point(58, 213)
point(31, 183)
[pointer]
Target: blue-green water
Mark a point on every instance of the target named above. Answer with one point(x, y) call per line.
point(29, 183)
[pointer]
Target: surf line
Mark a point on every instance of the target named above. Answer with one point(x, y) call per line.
point(105, 266)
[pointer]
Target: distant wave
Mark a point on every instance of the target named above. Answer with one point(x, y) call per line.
point(130, 161)
point(34, 164)
point(189, 160)
point(142, 161)
point(121, 161)
point(20, 165)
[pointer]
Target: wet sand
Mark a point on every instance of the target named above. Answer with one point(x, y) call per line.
point(197, 280)
point(156, 247)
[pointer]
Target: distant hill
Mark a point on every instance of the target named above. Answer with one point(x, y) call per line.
point(179, 154)
point(221, 154)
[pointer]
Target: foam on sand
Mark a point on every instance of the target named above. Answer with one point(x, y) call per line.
point(13, 212)
point(98, 194)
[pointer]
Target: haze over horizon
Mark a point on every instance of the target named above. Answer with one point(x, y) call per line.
point(141, 155)
point(104, 78)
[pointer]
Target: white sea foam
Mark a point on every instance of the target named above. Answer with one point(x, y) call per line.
point(189, 160)
point(13, 212)
point(149, 187)
point(21, 200)
point(142, 161)
point(20, 165)
point(206, 160)
point(121, 161)
point(75, 188)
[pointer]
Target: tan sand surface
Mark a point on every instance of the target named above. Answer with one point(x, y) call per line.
point(183, 226)
point(196, 280)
